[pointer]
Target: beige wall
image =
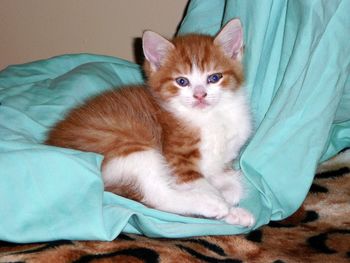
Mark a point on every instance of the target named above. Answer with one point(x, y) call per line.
point(36, 29)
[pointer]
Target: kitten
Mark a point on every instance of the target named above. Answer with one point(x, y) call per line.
point(170, 144)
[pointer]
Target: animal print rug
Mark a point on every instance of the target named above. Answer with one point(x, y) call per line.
point(318, 232)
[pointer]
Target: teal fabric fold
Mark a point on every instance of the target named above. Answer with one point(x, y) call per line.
point(297, 78)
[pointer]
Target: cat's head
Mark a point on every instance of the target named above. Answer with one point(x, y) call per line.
point(194, 71)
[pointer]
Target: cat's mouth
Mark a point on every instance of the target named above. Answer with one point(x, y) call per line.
point(200, 104)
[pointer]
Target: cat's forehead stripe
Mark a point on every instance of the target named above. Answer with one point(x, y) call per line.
point(192, 50)
point(196, 50)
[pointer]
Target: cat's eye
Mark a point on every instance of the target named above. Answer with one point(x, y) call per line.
point(182, 81)
point(214, 78)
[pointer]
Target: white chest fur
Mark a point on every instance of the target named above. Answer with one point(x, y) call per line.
point(223, 131)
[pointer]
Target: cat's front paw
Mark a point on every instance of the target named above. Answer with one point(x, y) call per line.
point(202, 199)
point(231, 195)
point(240, 216)
point(211, 206)
point(230, 186)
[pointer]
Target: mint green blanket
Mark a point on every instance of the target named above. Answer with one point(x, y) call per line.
point(297, 59)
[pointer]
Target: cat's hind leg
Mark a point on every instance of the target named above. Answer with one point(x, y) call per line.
point(148, 175)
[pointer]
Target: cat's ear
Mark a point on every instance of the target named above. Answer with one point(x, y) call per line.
point(155, 47)
point(230, 38)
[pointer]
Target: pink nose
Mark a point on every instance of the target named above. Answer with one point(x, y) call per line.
point(200, 95)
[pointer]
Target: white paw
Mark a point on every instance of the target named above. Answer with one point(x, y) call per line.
point(211, 206)
point(230, 186)
point(231, 195)
point(202, 199)
point(240, 216)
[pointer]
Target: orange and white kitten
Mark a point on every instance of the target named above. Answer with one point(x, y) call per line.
point(170, 144)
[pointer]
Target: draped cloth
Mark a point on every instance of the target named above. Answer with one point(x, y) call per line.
point(296, 61)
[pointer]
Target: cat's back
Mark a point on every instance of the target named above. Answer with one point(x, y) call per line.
point(108, 121)
point(119, 104)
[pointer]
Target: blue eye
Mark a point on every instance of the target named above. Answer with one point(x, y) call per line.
point(213, 78)
point(182, 81)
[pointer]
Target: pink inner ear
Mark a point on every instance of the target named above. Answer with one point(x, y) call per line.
point(230, 38)
point(155, 48)
point(236, 43)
